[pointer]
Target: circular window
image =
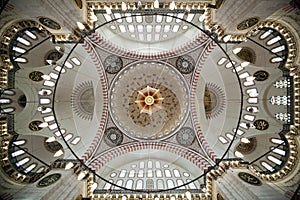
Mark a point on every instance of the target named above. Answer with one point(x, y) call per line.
point(53, 55)
point(52, 147)
point(113, 137)
point(36, 76)
point(113, 64)
point(247, 23)
point(185, 64)
point(49, 23)
point(261, 75)
point(249, 178)
point(261, 124)
point(185, 136)
point(34, 125)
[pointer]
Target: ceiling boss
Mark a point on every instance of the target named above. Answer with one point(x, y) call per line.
point(149, 100)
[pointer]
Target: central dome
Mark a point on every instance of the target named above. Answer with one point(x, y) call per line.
point(149, 101)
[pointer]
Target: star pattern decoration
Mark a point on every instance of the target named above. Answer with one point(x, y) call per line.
point(149, 100)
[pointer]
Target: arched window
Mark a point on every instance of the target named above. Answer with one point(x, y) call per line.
point(223, 140)
point(75, 140)
point(23, 41)
point(44, 101)
point(7, 110)
point(17, 153)
point(49, 118)
point(5, 101)
point(170, 183)
point(278, 151)
point(160, 184)
point(191, 185)
point(9, 92)
point(140, 174)
point(276, 59)
point(158, 173)
point(249, 117)
point(107, 186)
point(139, 184)
point(168, 173)
point(277, 141)
point(150, 184)
point(149, 173)
point(267, 166)
point(266, 34)
point(31, 34)
point(131, 173)
point(49, 83)
point(30, 168)
point(68, 137)
point(122, 173)
point(274, 40)
point(41, 169)
point(22, 162)
point(222, 61)
point(180, 182)
point(274, 160)
point(119, 183)
point(129, 184)
point(19, 142)
point(113, 174)
point(176, 173)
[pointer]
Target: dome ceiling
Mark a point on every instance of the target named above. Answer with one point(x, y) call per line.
point(147, 101)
